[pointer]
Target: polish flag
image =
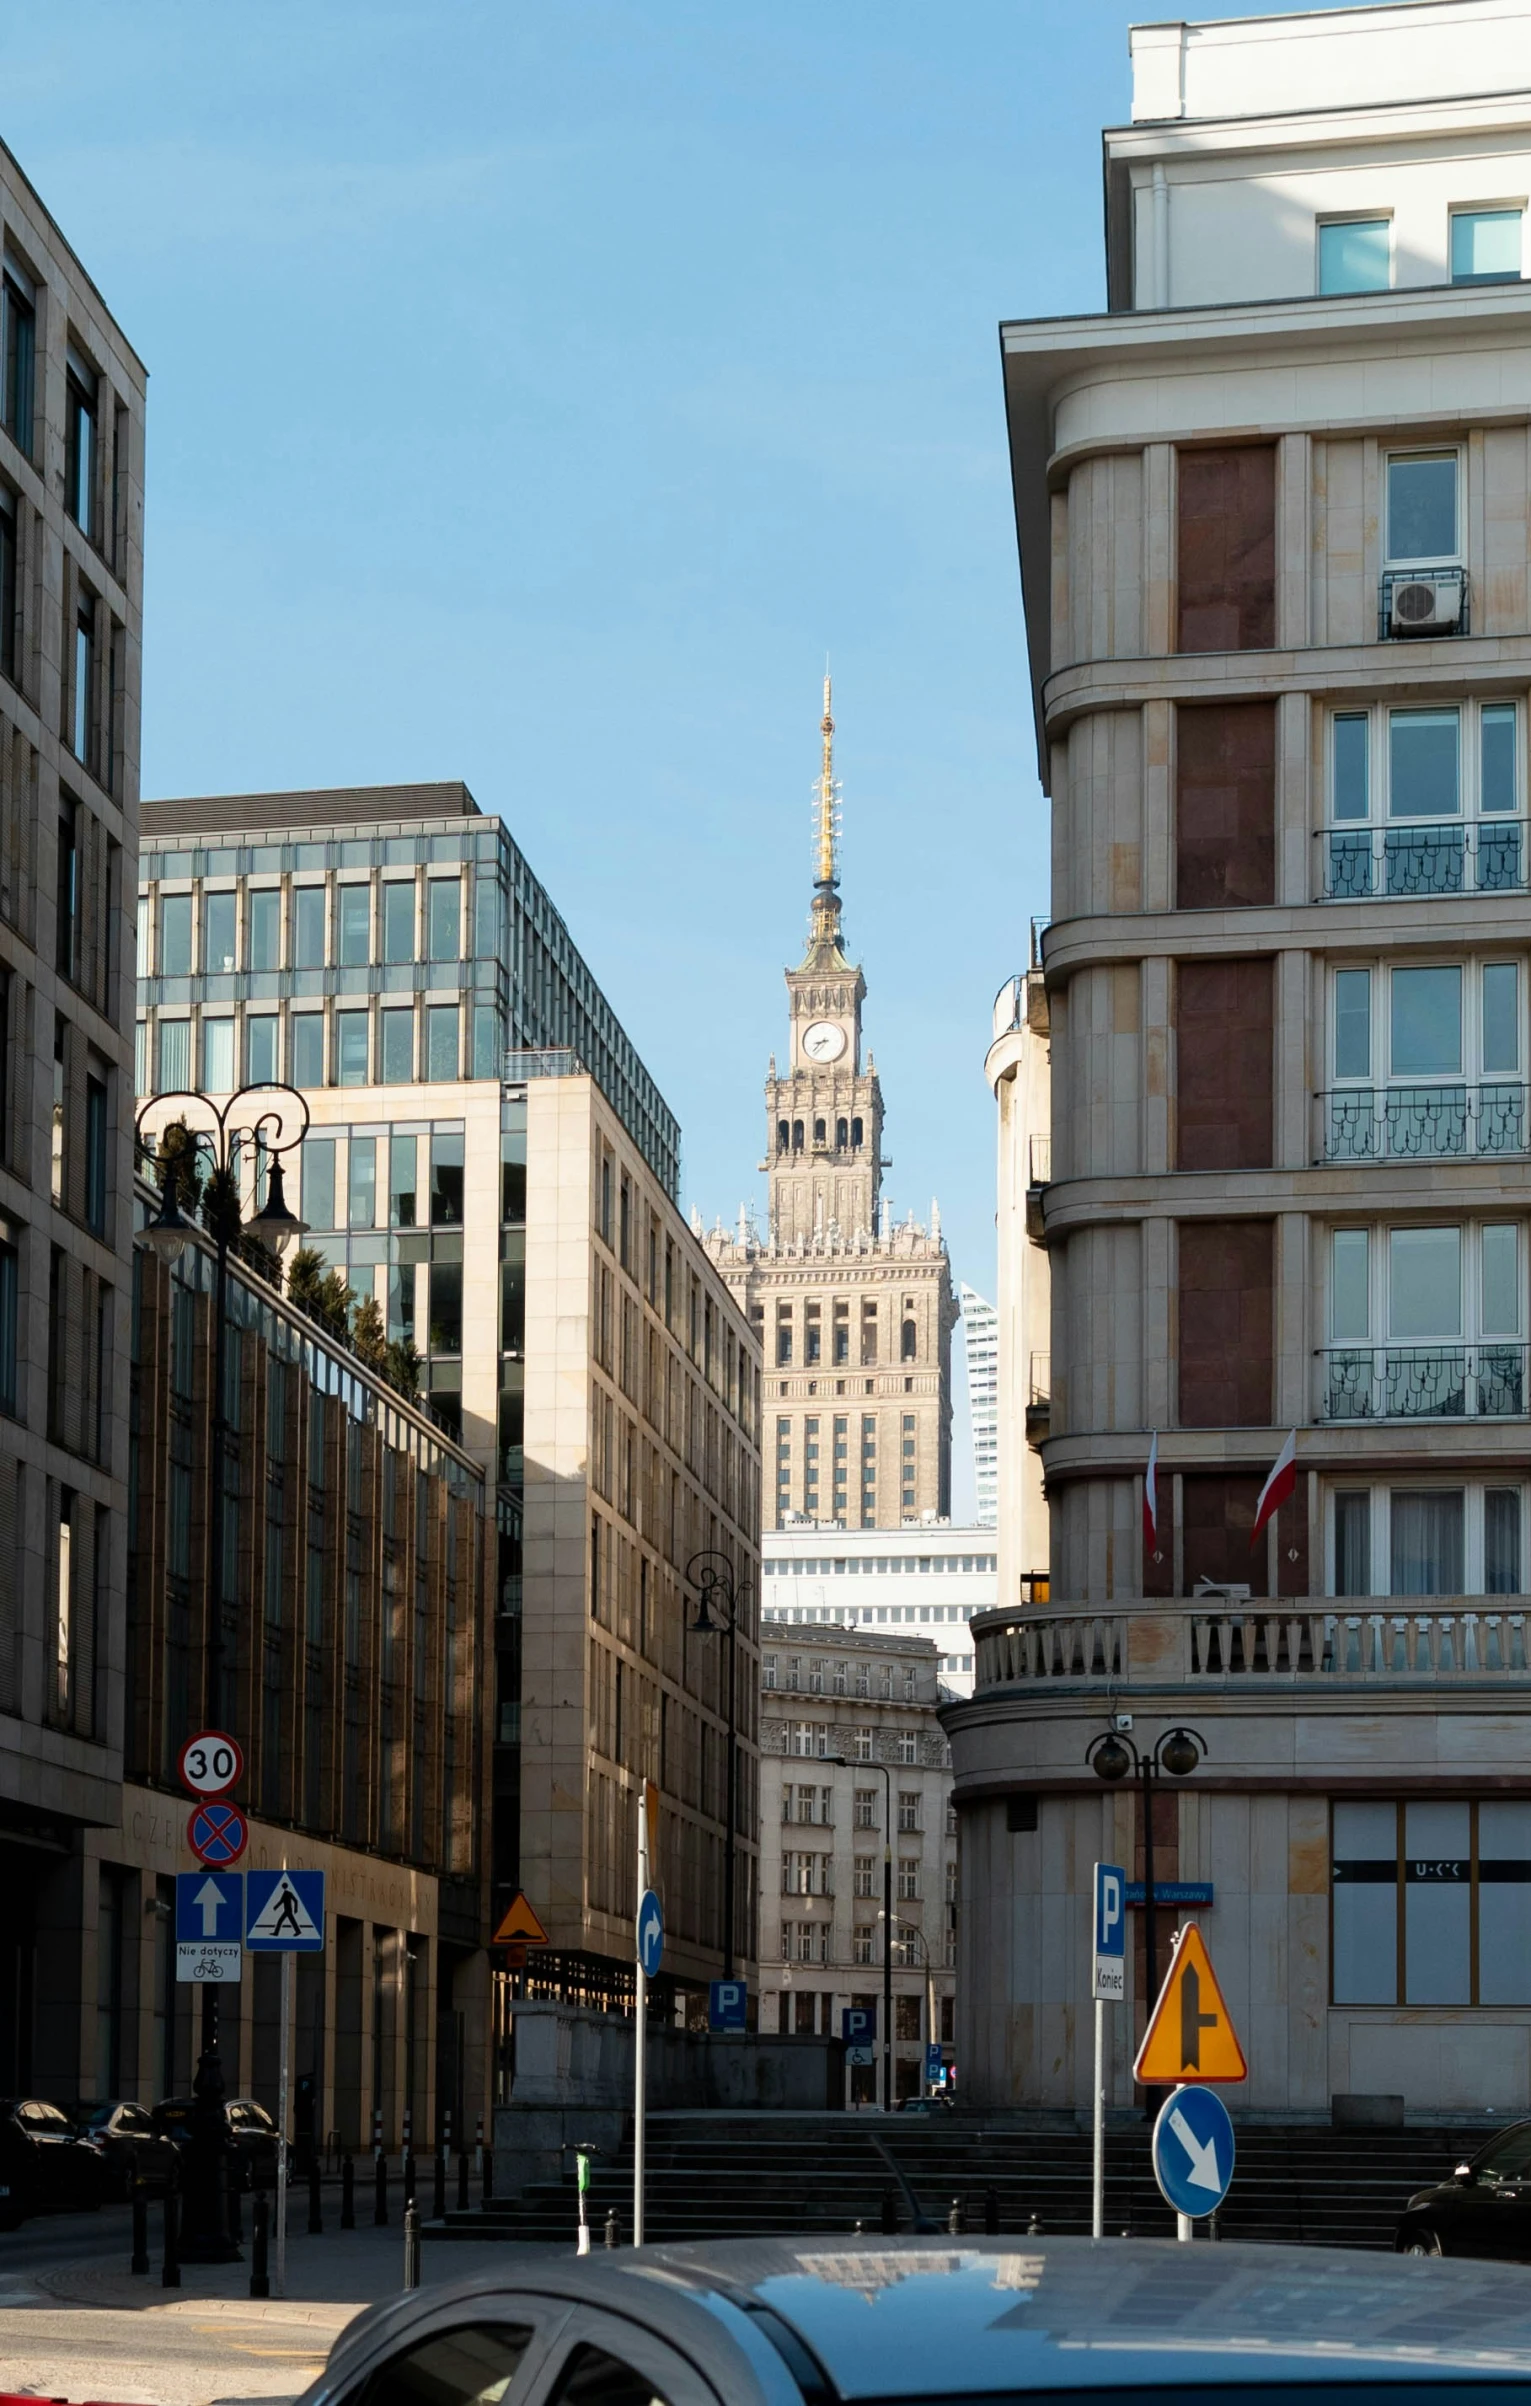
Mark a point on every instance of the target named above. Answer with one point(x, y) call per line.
point(1151, 1497)
point(1279, 1488)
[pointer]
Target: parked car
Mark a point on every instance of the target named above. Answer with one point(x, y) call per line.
point(908, 2321)
point(44, 2167)
point(1483, 2209)
point(130, 2147)
point(252, 2137)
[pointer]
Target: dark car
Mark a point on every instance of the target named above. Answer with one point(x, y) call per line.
point(929, 2322)
point(44, 2167)
point(133, 2153)
point(251, 2132)
point(1484, 2209)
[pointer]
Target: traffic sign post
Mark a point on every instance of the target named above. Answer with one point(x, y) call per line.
point(858, 2028)
point(1190, 2030)
point(284, 1912)
point(211, 1763)
point(648, 1948)
point(209, 1926)
point(217, 1833)
point(727, 2005)
point(1193, 2154)
point(1110, 1987)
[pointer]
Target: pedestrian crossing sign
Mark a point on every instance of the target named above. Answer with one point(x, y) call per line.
point(284, 1912)
point(1190, 2034)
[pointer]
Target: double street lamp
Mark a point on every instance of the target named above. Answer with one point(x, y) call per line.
point(259, 1124)
point(1112, 1756)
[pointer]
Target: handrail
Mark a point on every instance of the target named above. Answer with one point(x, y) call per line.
point(1485, 1380)
point(1286, 1639)
point(1415, 1121)
point(1383, 859)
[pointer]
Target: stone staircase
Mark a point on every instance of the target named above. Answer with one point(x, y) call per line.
point(732, 2175)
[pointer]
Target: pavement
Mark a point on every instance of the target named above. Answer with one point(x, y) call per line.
point(76, 2324)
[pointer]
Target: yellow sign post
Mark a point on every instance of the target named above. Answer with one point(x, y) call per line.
point(1190, 2034)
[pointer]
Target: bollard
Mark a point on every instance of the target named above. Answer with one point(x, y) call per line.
point(486, 2184)
point(956, 2221)
point(991, 2209)
point(858, 2230)
point(140, 2261)
point(411, 2247)
point(1034, 2227)
point(439, 2187)
point(347, 2192)
point(409, 2178)
point(235, 2224)
point(260, 2278)
point(315, 2217)
point(478, 2142)
point(462, 2184)
point(1212, 2229)
point(408, 2139)
point(890, 2208)
point(613, 2229)
point(377, 2130)
point(380, 2193)
point(170, 2269)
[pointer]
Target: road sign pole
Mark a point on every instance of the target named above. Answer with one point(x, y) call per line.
point(640, 2033)
point(1098, 2169)
point(1108, 1985)
point(283, 2065)
point(1185, 2228)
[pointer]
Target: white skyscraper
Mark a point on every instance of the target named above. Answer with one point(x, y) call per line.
point(981, 1321)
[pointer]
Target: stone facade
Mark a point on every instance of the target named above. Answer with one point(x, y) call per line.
point(1274, 526)
point(1018, 1068)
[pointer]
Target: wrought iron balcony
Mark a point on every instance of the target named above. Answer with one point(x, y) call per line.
point(1449, 856)
point(1392, 1639)
point(1424, 1123)
point(1484, 1381)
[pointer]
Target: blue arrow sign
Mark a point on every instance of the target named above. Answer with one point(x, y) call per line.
point(726, 2002)
point(284, 1912)
point(1193, 2150)
point(209, 1908)
point(650, 1934)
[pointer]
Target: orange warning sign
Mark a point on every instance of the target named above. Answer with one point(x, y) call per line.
point(520, 1925)
point(1190, 2035)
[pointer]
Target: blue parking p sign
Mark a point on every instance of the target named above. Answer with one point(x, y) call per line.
point(858, 2028)
point(726, 2001)
point(1110, 1982)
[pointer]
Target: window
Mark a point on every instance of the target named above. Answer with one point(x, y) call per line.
point(9, 588)
point(1485, 246)
point(445, 919)
point(861, 1943)
point(80, 464)
point(398, 1048)
point(908, 1809)
point(471, 2366)
point(362, 1212)
point(218, 1056)
point(355, 926)
point(350, 1048)
point(262, 1063)
point(1430, 1902)
point(908, 1743)
point(1422, 507)
point(66, 938)
point(1424, 1541)
point(866, 1808)
point(307, 1029)
point(488, 1040)
point(18, 355)
point(446, 1307)
point(174, 1056)
point(399, 922)
point(908, 1342)
point(768, 1670)
point(864, 1876)
point(402, 1157)
point(317, 1155)
point(1355, 255)
point(908, 1877)
point(441, 1023)
point(446, 1180)
point(9, 1295)
point(783, 1334)
point(308, 916)
point(1425, 801)
point(1426, 1061)
point(265, 928)
point(1425, 1322)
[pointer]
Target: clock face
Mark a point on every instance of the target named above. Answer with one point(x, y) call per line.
point(823, 1041)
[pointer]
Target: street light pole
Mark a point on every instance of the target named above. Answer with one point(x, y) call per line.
point(712, 1574)
point(1111, 1756)
point(204, 2237)
point(846, 1764)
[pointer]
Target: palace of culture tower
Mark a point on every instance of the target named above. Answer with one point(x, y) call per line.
point(854, 1313)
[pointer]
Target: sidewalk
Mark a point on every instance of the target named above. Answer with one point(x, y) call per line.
point(94, 2330)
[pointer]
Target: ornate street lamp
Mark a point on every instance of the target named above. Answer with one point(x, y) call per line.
point(1111, 1757)
point(260, 1122)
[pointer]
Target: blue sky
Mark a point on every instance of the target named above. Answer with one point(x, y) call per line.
point(537, 396)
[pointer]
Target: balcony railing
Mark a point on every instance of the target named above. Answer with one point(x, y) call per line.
point(1486, 1381)
point(1449, 856)
point(1387, 1638)
point(1424, 1123)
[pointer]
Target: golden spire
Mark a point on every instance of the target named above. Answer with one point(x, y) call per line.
point(827, 795)
point(824, 939)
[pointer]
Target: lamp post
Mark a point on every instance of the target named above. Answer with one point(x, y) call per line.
point(1112, 1756)
point(268, 1120)
point(910, 1931)
point(887, 1917)
point(714, 1578)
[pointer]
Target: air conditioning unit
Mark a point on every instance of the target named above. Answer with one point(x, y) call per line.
point(1433, 604)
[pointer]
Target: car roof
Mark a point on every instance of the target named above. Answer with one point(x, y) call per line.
point(917, 2317)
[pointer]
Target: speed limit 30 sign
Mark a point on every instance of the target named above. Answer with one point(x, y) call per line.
point(211, 1763)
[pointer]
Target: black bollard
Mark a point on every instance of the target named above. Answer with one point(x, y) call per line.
point(462, 2184)
point(347, 2192)
point(315, 2217)
point(1034, 2226)
point(439, 2186)
point(140, 2261)
point(380, 2193)
point(890, 2208)
point(613, 2229)
point(260, 2224)
point(411, 2247)
point(858, 2230)
point(409, 2176)
point(235, 2225)
point(991, 2209)
point(956, 2220)
point(486, 2183)
point(170, 2269)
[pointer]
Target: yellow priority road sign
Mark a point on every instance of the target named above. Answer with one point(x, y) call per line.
point(520, 1925)
point(1190, 2034)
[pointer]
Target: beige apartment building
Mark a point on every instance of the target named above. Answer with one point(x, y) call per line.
point(71, 580)
point(1275, 517)
point(854, 1311)
point(489, 1159)
point(869, 1698)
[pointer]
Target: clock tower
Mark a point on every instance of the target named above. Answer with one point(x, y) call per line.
point(853, 1313)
